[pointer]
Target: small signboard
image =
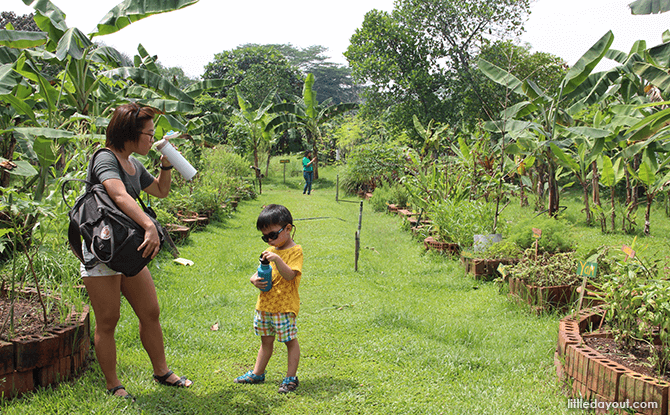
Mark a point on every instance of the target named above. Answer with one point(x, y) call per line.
point(628, 251)
point(537, 233)
point(284, 161)
point(587, 269)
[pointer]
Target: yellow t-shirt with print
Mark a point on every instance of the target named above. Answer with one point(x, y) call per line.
point(283, 297)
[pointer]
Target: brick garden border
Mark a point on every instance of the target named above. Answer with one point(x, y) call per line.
point(55, 356)
point(590, 375)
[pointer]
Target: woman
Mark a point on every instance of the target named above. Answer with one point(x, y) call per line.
point(131, 130)
point(308, 171)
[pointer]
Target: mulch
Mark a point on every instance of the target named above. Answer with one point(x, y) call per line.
point(639, 358)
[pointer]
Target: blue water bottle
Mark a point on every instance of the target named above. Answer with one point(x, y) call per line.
point(265, 272)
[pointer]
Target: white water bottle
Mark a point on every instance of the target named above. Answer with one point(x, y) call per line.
point(174, 157)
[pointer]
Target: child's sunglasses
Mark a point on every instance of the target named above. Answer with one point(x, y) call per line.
point(271, 236)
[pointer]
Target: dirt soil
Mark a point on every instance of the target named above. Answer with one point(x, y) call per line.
point(28, 318)
point(639, 358)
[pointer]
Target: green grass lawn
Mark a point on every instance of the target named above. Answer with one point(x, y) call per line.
point(407, 333)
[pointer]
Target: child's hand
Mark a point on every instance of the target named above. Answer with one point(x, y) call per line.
point(258, 282)
point(270, 256)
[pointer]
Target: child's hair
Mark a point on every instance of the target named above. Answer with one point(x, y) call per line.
point(274, 215)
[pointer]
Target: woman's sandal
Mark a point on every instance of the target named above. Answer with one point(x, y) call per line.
point(115, 389)
point(163, 380)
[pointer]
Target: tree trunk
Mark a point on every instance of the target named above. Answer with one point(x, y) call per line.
point(613, 211)
point(595, 189)
point(647, 212)
point(587, 208)
point(553, 189)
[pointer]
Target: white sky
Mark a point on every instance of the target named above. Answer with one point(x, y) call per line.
point(190, 37)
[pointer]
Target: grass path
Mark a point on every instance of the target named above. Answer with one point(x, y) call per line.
point(407, 333)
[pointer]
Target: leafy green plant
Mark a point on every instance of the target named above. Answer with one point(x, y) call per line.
point(372, 165)
point(556, 235)
point(504, 249)
point(547, 269)
point(637, 306)
point(458, 221)
point(389, 194)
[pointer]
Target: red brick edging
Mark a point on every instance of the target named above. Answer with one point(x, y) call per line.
point(42, 360)
point(590, 375)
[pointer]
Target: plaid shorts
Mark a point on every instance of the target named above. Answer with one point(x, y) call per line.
point(281, 325)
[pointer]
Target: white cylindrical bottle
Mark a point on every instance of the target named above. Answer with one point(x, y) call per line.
point(176, 159)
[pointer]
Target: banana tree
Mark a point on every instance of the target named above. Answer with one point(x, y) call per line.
point(655, 178)
point(307, 114)
point(611, 174)
point(548, 112)
point(255, 123)
point(587, 147)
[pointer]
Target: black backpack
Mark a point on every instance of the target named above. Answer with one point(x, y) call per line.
point(109, 234)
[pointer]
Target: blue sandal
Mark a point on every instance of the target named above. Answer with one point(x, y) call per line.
point(250, 377)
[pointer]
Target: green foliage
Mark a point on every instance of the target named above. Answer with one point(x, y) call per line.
point(370, 166)
point(637, 306)
point(459, 220)
point(417, 60)
point(556, 235)
point(547, 270)
point(256, 71)
point(389, 194)
point(504, 249)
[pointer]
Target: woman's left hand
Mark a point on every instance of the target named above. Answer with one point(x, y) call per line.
point(151, 243)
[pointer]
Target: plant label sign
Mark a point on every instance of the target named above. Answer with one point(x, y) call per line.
point(628, 251)
point(587, 269)
point(501, 269)
point(284, 161)
point(537, 233)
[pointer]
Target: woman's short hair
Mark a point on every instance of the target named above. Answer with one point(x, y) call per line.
point(274, 215)
point(307, 153)
point(126, 124)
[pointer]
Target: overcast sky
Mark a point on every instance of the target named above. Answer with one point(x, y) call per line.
point(190, 37)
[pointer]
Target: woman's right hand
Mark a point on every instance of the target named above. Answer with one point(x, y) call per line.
point(151, 243)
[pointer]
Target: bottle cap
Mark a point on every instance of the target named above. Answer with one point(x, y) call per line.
point(171, 134)
point(263, 260)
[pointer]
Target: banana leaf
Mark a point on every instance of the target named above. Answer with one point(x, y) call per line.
point(581, 70)
point(649, 6)
point(152, 80)
point(500, 76)
point(130, 11)
point(22, 40)
point(73, 43)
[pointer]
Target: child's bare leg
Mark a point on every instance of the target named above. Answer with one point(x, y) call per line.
point(293, 351)
point(264, 354)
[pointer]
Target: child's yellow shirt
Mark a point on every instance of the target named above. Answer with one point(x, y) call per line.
point(283, 297)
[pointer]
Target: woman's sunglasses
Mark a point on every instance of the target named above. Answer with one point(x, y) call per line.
point(271, 236)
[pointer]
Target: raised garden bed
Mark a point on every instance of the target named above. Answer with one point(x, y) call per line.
point(47, 357)
point(590, 375)
point(482, 268)
point(178, 232)
point(541, 298)
point(430, 243)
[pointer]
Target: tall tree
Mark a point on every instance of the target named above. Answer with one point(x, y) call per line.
point(334, 81)
point(256, 71)
point(417, 59)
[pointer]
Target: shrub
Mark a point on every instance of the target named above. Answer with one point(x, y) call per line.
point(371, 166)
point(459, 220)
point(389, 194)
point(503, 250)
point(547, 269)
point(556, 235)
